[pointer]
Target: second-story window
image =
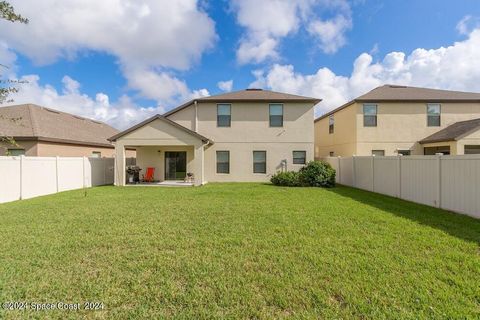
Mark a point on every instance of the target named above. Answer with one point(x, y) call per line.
point(276, 115)
point(433, 115)
point(369, 115)
point(331, 124)
point(224, 116)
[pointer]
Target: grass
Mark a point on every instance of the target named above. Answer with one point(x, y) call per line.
point(238, 251)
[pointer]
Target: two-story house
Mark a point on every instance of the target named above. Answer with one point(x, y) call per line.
point(246, 135)
point(400, 120)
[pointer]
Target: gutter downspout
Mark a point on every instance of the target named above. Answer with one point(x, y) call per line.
point(196, 117)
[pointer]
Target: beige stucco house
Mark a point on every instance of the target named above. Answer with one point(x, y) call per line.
point(40, 131)
point(393, 120)
point(239, 136)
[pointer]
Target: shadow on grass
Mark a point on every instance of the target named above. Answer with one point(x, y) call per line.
point(457, 225)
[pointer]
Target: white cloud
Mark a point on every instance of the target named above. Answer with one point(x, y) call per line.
point(267, 21)
point(456, 67)
point(468, 24)
point(225, 85)
point(146, 36)
point(121, 115)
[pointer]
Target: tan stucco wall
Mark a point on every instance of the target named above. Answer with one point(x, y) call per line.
point(29, 146)
point(250, 131)
point(342, 141)
point(155, 136)
point(399, 127)
point(47, 149)
point(155, 157)
point(471, 139)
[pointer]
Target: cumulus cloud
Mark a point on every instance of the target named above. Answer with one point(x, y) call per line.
point(121, 115)
point(468, 24)
point(225, 85)
point(456, 67)
point(267, 21)
point(147, 37)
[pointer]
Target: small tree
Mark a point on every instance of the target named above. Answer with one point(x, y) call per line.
point(7, 12)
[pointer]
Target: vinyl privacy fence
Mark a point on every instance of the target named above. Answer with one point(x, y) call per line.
point(27, 177)
point(447, 182)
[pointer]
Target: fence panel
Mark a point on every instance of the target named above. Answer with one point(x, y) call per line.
point(420, 179)
point(364, 173)
point(460, 184)
point(9, 179)
point(39, 176)
point(386, 176)
point(27, 177)
point(346, 171)
point(70, 173)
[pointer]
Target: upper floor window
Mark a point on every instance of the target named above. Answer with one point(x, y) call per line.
point(433, 115)
point(276, 115)
point(369, 115)
point(224, 116)
point(331, 124)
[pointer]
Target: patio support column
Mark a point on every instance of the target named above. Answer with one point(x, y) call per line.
point(198, 155)
point(119, 164)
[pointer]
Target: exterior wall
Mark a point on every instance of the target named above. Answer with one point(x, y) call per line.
point(401, 125)
point(29, 146)
point(471, 139)
point(154, 136)
point(342, 141)
point(250, 131)
point(48, 149)
point(153, 156)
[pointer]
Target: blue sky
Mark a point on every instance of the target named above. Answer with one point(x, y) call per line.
point(70, 56)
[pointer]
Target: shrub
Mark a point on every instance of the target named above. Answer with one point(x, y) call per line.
point(288, 179)
point(317, 174)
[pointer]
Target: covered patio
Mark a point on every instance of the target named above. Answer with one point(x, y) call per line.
point(174, 153)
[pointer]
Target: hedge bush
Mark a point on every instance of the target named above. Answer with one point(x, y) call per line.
point(314, 174)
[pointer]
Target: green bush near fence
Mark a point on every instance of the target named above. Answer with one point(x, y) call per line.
point(314, 174)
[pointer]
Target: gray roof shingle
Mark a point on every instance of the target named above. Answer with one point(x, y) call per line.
point(453, 132)
point(40, 123)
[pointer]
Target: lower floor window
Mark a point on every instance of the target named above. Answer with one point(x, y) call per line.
point(431, 151)
point(472, 149)
point(223, 161)
point(16, 152)
point(96, 154)
point(332, 153)
point(404, 152)
point(259, 162)
point(299, 157)
point(378, 153)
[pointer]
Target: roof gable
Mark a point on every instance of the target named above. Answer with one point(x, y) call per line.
point(164, 120)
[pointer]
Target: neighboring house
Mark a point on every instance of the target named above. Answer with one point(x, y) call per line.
point(392, 120)
point(40, 131)
point(239, 136)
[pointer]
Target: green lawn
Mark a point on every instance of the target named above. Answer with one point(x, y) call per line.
point(239, 251)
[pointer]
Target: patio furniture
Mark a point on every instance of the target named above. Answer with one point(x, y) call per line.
point(133, 174)
point(189, 177)
point(148, 176)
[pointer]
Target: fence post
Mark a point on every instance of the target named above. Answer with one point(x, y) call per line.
point(22, 158)
point(373, 173)
point(56, 172)
point(339, 172)
point(439, 187)
point(84, 172)
point(354, 169)
point(399, 176)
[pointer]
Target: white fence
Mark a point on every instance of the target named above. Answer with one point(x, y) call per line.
point(28, 177)
point(447, 182)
